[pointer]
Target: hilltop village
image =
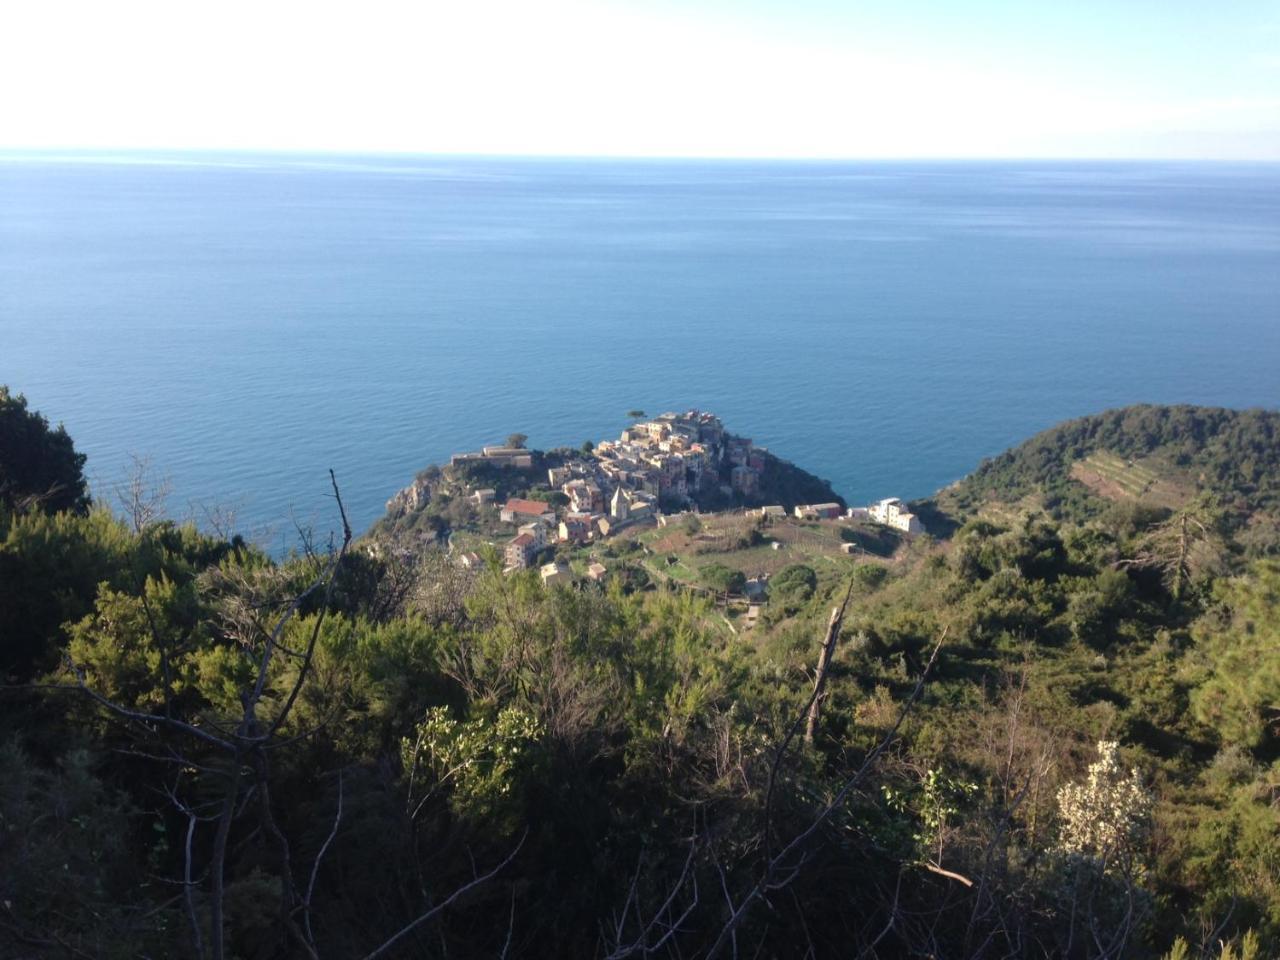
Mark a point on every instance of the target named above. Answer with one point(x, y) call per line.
point(681, 469)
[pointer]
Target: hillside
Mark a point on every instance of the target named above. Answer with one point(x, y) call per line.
point(1161, 457)
point(1046, 735)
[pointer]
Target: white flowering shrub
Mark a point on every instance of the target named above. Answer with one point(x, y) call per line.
point(1108, 817)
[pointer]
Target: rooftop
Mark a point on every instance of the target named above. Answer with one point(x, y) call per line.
point(535, 507)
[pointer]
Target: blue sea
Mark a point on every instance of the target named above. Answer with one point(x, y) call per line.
point(249, 321)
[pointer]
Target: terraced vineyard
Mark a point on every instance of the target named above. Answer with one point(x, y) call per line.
point(1112, 476)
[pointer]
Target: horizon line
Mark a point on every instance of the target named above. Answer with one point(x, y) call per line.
point(107, 150)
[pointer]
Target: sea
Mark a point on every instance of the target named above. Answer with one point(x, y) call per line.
point(243, 323)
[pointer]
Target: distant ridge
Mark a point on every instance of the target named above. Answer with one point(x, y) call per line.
point(1161, 455)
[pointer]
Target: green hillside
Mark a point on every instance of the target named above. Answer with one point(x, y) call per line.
point(1158, 456)
point(1054, 733)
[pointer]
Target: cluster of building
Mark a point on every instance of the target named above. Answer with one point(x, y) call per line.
point(517, 457)
point(891, 512)
point(676, 454)
point(669, 458)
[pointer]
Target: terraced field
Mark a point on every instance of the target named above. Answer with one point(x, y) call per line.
point(1115, 478)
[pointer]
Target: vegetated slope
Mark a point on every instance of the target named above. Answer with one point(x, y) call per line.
point(479, 763)
point(1162, 456)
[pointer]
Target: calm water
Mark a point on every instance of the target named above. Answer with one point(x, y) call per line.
point(248, 322)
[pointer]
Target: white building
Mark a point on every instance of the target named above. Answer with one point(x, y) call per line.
point(818, 511)
point(553, 573)
point(892, 512)
point(620, 506)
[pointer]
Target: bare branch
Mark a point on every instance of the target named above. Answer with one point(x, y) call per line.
point(933, 868)
point(328, 596)
point(833, 629)
point(447, 902)
point(315, 867)
point(776, 863)
point(144, 718)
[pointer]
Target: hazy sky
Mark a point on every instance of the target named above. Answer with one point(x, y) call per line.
point(822, 78)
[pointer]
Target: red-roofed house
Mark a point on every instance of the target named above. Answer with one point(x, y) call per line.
point(522, 511)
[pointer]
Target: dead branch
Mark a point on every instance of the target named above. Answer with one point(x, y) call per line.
point(315, 867)
point(769, 878)
point(959, 878)
point(837, 617)
point(824, 663)
point(447, 902)
point(662, 918)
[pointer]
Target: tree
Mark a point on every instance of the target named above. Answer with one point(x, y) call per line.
point(795, 583)
point(1239, 646)
point(636, 414)
point(39, 466)
point(587, 447)
point(1183, 549)
point(517, 440)
point(723, 579)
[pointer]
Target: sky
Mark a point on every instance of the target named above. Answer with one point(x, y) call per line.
point(714, 78)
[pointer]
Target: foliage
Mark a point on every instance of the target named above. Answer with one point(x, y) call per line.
point(618, 744)
point(1238, 659)
point(722, 579)
point(1234, 455)
point(39, 466)
point(1108, 817)
point(480, 759)
point(794, 583)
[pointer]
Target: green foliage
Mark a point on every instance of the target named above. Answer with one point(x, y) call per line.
point(870, 575)
point(1238, 659)
point(67, 858)
point(455, 712)
point(794, 583)
point(481, 761)
point(39, 466)
point(933, 803)
point(1233, 454)
point(129, 643)
point(718, 577)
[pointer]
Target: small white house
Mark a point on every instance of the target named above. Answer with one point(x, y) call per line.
point(817, 511)
point(553, 573)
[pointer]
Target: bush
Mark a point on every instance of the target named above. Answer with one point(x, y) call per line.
point(795, 583)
